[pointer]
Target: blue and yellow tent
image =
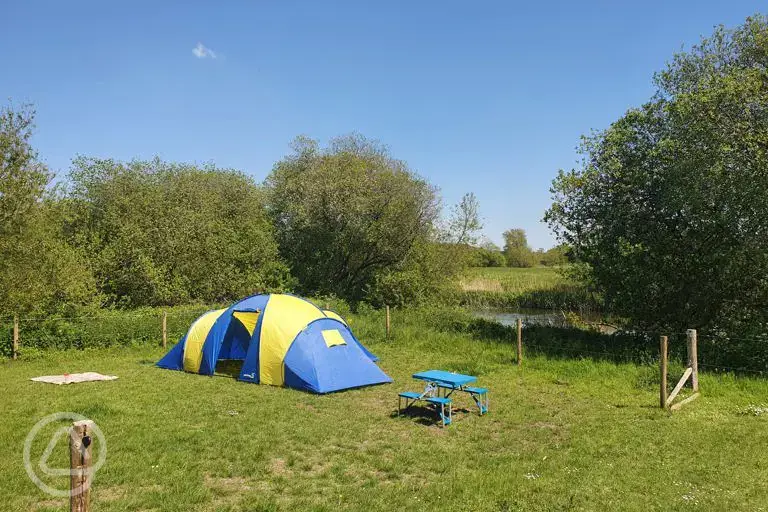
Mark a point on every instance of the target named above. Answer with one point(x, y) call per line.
point(282, 340)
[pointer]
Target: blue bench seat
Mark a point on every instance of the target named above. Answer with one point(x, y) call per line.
point(476, 391)
point(440, 404)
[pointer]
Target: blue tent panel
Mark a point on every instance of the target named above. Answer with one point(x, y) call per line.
point(313, 363)
point(213, 343)
point(174, 359)
point(249, 372)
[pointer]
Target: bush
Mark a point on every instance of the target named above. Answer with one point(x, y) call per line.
point(161, 233)
point(520, 257)
point(426, 276)
point(481, 257)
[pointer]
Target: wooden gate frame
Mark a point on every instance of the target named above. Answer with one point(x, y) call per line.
point(691, 372)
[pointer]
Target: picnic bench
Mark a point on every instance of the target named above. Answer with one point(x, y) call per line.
point(440, 382)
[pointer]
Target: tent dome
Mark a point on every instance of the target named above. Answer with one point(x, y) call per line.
point(283, 340)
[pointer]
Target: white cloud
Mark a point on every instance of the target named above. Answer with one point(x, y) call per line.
point(201, 52)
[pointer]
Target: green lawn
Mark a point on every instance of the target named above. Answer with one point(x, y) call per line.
point(561, 435)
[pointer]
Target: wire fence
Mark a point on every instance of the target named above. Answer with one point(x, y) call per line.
point(114, 328)
point(717, 353)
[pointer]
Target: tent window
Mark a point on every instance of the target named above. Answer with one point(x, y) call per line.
point(333, 337)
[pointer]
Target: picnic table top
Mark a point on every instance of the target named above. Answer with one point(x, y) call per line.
point(454, 380)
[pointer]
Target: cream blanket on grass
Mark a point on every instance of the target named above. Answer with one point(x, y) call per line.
point(73, 378)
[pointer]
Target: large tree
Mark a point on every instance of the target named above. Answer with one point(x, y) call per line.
point(347, 213)
point(669, 210)
point(516, 249)
point(39, 271)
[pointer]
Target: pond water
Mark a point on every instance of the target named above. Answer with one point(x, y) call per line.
point(545, 317)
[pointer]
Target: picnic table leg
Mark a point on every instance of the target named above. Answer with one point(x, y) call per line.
point(446, 420)
point(481, 401)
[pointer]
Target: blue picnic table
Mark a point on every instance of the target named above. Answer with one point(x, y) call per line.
point(440, 382)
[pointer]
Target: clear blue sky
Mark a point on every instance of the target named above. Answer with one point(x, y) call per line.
point(488, 97)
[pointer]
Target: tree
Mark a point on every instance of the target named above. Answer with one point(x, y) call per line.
point(516, 249)
point(465, 222)
point(163, 233)
point(348, 213)
point(39, 271)
point(669, 208)
point(23, 179)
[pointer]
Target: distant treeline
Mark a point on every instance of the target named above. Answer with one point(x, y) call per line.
point(517, 253)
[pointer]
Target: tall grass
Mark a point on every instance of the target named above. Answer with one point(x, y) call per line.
point(513, 288)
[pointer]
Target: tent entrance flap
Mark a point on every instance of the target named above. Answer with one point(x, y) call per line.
point(238, 335)
point(248, 319)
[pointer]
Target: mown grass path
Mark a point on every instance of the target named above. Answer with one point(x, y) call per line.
point(561, 435)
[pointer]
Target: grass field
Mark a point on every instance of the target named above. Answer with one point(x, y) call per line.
point(537, 287)
point(561, 435)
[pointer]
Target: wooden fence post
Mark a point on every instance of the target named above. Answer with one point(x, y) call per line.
point(693, 358)
point(80, 466)
point(15, 336)
point(165, 328)
point(519, 342)
point(663, 395)
point(388, 321)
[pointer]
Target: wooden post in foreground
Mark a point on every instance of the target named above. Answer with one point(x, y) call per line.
point(80, 466)
point(165, 328)
point(519, 342)
point(663, 357)
point(693, 358)
point(15, 336)
point(388, 321)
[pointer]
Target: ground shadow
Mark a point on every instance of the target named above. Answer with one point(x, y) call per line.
point(425, 415)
